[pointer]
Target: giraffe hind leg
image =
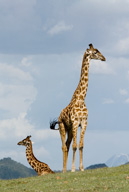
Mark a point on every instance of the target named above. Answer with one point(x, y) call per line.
point(64, 147)
point(69, 139)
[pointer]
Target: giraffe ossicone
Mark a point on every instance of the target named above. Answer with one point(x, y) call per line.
point(40, 167)
point(76, 113)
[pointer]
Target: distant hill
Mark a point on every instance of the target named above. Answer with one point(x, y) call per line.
point(10, 169)
point(117, 160)
point(96, 166)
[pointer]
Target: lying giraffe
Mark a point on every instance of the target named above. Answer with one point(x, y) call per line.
point(40, 167)
point(76, 113)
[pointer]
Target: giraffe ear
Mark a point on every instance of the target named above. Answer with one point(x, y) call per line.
point(91, 46)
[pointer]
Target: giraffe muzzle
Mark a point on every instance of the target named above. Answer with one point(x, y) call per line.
point(103, 59)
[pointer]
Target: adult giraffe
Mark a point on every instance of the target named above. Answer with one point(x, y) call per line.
point(75, 114)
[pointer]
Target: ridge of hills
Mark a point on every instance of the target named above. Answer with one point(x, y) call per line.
point(10, 169)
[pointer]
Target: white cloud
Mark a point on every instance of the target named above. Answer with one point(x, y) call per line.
point(39, 152)
point(16, 98)
point(44, 134)
point(10, 71)
point(108, 101)
point(123, 91)
point(127, 101)
point(15, 127)
point(17, 91)
point(59, 28)
point(20, 127)
point(99, 67)
point(122, 46)
point(26, 62)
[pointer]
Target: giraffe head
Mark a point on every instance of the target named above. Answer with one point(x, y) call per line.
point(94, 53)
point(25, 142)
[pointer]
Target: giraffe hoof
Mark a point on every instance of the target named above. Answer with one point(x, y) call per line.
point(73, 169)
point(81, 168)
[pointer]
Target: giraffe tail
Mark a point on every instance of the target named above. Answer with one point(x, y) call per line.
point(53, 124)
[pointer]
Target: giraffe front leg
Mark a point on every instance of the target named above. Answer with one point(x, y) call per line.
point(75, 127)
point(83, 128)
point(74, 152)
point(81, 159)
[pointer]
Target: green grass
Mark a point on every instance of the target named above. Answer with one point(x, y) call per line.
point(97, 180)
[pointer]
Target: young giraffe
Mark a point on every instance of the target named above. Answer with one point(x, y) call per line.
point(40, 167)
point(75, 114)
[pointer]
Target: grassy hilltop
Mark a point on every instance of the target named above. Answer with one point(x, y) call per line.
point(97, 180)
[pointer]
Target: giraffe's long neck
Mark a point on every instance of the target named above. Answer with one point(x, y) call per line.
point(81, 90)
point(30, 157)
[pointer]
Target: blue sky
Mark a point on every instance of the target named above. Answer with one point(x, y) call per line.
point(41, 50)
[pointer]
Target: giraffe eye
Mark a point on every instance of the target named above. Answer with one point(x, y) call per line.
point(96, 51)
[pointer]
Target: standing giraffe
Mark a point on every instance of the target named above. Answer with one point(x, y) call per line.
point(40, 167)
point(75, 114)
